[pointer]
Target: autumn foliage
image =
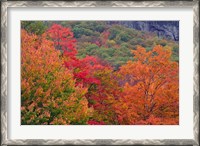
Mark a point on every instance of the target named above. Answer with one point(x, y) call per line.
point(49, 94)
point(57, 87)
point(150, 92)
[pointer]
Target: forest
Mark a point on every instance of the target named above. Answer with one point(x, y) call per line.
point(97, 73)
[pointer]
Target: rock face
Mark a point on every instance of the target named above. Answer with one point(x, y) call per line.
point(166, 29)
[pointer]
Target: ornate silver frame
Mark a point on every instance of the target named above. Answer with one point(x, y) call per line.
point(4, 77)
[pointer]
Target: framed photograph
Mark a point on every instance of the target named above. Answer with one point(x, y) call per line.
point(100, 73)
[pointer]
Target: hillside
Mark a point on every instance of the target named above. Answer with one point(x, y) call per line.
point(95, 73)
point(112, 41)
point(163, 29)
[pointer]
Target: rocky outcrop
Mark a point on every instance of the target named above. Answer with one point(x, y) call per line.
point(166, 29)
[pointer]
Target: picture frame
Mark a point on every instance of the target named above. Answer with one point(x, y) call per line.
point(5, 129)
